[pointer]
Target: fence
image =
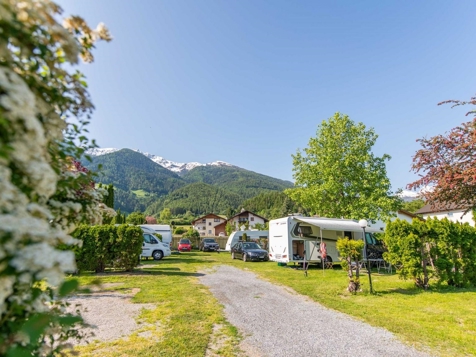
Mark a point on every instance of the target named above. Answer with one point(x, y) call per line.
point(220, 240)
point(196, 241)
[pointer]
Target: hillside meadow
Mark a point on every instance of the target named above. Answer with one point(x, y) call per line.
point(441, 321)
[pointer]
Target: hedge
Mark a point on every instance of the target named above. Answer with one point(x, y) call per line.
point(108, 246)
point(439, 249)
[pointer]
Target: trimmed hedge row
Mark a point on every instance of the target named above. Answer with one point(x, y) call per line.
point(108, 246)
point(434, 248)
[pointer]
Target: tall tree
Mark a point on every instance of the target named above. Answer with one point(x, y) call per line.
point(337, 175)
point(447, 164)
point(136, 218)
point(165, 216)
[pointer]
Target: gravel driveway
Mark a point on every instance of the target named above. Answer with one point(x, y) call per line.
point(278, 323)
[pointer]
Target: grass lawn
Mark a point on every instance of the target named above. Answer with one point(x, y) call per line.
point(443, 320)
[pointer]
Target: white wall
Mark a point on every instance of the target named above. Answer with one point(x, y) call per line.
point(454, 216)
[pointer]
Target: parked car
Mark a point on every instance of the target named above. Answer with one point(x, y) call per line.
point(249, 251)
point(209, 244)
point(185, 245)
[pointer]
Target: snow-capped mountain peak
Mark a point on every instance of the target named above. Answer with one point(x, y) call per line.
point(177, 167)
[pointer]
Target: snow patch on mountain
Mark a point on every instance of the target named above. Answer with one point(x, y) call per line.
point(177, 167)
point(101, 151)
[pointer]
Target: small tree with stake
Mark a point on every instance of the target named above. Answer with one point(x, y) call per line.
point(351, 253)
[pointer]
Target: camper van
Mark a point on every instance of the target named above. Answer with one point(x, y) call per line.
point(162, 229)
point(251, 235)
point(152, 246)
point(295, 238)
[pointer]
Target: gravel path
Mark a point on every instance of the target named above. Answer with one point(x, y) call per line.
point(111, 315)
point(278, 323)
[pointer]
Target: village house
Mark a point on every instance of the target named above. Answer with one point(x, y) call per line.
point(210, 225)
point(246, 218)
point(453, 212)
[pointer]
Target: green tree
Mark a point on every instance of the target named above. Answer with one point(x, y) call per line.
point(165, 216)
point(109, 199)
point(136, 218)
point(229, 228)
point(413, 206)
point(337, 175)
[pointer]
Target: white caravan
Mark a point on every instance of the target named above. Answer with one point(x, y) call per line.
point(162, 229)
point(252, 235)
point(293, 238)
point(152, 247)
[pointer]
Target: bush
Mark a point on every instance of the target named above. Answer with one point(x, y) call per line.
point(434, 248)
point(106, 246)
point(179, 230)
point(351, 253)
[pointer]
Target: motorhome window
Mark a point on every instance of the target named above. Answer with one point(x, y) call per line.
point(371, 239)
point(304, 231)
point(348, 235)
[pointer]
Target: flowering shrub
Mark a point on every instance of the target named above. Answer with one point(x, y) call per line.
point(43, 192)
point(108, 246)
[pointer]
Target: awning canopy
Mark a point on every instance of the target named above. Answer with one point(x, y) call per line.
point(333, 224)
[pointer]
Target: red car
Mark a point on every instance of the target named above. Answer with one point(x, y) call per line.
point(185, 245)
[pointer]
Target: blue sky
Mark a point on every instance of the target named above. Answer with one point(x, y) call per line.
point(248, 82)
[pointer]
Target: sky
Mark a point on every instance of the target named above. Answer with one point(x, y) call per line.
point(248, 81)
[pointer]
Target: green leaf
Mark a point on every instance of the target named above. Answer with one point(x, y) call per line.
point(68, 287)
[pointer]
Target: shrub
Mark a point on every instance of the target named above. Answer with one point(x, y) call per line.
point(179, 230)
point(351, 253)
point(44, 192)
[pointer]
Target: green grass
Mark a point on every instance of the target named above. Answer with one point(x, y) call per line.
point(441, 320)
point(141, 193)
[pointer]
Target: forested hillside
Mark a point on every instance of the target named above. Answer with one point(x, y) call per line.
point(245, 183)
point(198, 198)
point(272, 205)
point(143, 185)
point(130, 170)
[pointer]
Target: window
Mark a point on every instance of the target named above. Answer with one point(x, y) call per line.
point(209, 232)
point(209, 223)
point(204, 221)
point(450, 214)
point(252, 219)
point(216, 220)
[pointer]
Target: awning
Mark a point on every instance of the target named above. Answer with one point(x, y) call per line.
point(332, 224)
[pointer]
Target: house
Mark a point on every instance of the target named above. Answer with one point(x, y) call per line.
point(454, 213)
point(401, 214)
point(245, 218)
point(210, 225)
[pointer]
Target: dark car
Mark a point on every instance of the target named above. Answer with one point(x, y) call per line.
point(209, 244)
point(185, 245)
point(249, 251)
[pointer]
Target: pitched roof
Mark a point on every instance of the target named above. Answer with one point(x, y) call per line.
point(244, 212)
point(209, 215)
point(428, 208)
point(409, 214)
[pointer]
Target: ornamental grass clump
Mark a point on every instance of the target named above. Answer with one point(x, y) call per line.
point(350, 252)
point(44, 192)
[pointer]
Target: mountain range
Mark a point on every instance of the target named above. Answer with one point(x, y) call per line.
point(177, 167)
point(146, 182)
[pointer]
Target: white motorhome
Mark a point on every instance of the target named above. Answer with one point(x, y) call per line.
point(163, 229)
point(152, 247)
point(251, 235)
point(293, 238)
